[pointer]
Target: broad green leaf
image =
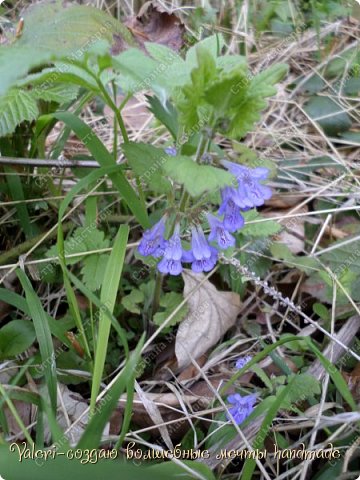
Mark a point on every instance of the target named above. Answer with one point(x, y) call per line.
point(93, 271)
point(53, 31)
point(247, 106)
point(82, 240)
point(132, 301)
point(321, 311)
point(61, 73)
point(15, 62)
point(60, 93)
point(15, 337)
point(16, 107)
point(169, 302)
point(167, 114)
point(147, 162)
point(229, 91)
point(261, 229)
point(67, 28)
point(139, 71)
point(328, 114)
point(213, 44)
point(343, 257)
point(191, 101)
point(304, 387)
point(197, 179)
point(282, 252)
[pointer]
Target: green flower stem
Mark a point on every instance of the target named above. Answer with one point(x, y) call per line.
point(115, 141)
point(111, 104)
point(202, 148)
point(114, 108)
point(157, 294)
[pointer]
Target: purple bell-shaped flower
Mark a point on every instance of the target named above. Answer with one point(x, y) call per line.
point(153, 241)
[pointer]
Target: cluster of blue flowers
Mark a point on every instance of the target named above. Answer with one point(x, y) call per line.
point(203, 254)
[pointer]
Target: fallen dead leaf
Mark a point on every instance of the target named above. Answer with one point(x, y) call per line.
point(293, 235)
point(154, 413)
point(284, 201)
point(24, 411)
point(353, 381)
point(70, 406)
point(169, 407)
point(156, 25)
point(211, 314)
point(191, 371)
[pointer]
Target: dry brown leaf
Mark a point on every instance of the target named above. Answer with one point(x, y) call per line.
point(284, 201)
point(170, 408)
point(154, 413)
point(70, 406)
point(24, 411)
point(153, 24)
point(353, 381)
point(293, 235)
point(211, 314)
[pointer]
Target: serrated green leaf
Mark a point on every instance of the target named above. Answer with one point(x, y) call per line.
point(229, 91)
point(147, 162)
point(282, 252)
point(59, 93)
point(53, 31)
point(82, 240)
point(213, 44)
point(138, 70)
point(132, 301)
point(169, 302)
point(197, 179)
point(15, 337)
point(93, 271)
point(16, 107)
point(261, 229)
point(249, 104)
point(191, 101)
point(304, 387)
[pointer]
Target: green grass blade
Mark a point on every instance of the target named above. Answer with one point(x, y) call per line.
point(17, 193)
point(108, 297)
point(43, 336)
point(250, 463)
point(15, 414)
point(94, 299)
point(127, 412)
point(73, 305)
point(105, 159)
point(335, 375)
point(92, 435)
point(19, 302)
